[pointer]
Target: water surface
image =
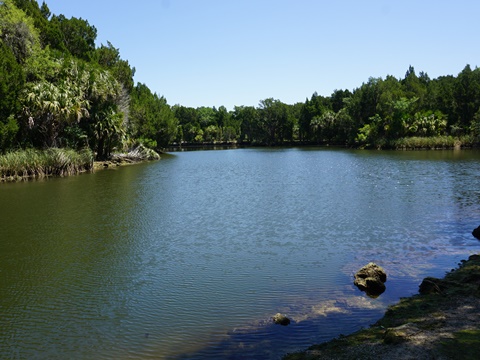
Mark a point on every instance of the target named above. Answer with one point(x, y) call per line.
point(189, 257)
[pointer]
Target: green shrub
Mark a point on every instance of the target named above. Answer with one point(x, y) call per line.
point(432, 142)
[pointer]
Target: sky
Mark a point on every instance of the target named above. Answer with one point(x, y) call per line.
point(237, 52)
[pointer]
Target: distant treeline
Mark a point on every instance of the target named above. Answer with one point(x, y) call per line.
point(386, 112)
point(58, 89)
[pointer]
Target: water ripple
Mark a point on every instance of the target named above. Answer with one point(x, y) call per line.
point(189, 258)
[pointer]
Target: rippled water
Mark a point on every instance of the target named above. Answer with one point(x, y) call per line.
point(189, 257)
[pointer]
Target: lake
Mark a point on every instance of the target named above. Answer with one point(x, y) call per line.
point(191, 256)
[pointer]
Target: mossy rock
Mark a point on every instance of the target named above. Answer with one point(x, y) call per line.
point(281, 319)
point(430, 285)
point(371, 279)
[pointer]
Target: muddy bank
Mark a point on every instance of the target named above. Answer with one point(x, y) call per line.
point(440, 323)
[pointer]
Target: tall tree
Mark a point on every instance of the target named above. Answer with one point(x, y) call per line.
point(152, 119)
point(77, 36)
point(275, 124)
point(11, 84)
point(247, 117)
point(337, 99)
point(17, 31)
point(364, 101)
point(467, 96)
point(413, 86)
point(109, 57)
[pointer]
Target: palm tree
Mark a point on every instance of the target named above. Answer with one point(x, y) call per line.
point(49, 108)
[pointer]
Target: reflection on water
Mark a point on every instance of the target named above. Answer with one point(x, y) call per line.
point(190, 257)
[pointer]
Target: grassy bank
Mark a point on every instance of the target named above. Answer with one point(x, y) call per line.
point(406, 143)
point(440, 323)
point(433, 142)
point(30, 163)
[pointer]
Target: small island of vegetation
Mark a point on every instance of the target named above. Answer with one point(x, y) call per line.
point(59, 90)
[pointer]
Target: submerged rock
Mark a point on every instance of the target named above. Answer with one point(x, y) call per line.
point(281, 319)
point(371, 279)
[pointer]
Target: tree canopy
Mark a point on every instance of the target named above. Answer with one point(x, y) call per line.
point(58, 88)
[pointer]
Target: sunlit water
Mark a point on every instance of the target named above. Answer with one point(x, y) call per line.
point(189, 257)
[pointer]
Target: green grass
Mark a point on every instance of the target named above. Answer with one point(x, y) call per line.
point(30, 163)
point(434, 142)
point(464, 345)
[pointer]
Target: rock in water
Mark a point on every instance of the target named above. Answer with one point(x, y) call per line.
point(430, 285)
point(371, 279)
point(474, 257)
point(476, 233)
point(281, 319)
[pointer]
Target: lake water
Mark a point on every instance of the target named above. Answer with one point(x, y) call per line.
point(189, 257)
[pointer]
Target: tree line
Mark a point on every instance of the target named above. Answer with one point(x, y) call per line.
point(379, 113)
point(58, 89)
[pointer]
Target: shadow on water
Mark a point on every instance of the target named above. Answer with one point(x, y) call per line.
point(267, 340)
point(314, 322)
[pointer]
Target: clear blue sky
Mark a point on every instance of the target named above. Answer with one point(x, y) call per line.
point(238, 52)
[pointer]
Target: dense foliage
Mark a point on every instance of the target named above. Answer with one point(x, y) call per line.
point(415, 111)
point(58, 89)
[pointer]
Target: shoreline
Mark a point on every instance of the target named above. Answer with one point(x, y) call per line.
point(31, 164)
point(13, 169)
point(138, 155)
point(111, 164)
point(441, 322)
point(401, 144)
